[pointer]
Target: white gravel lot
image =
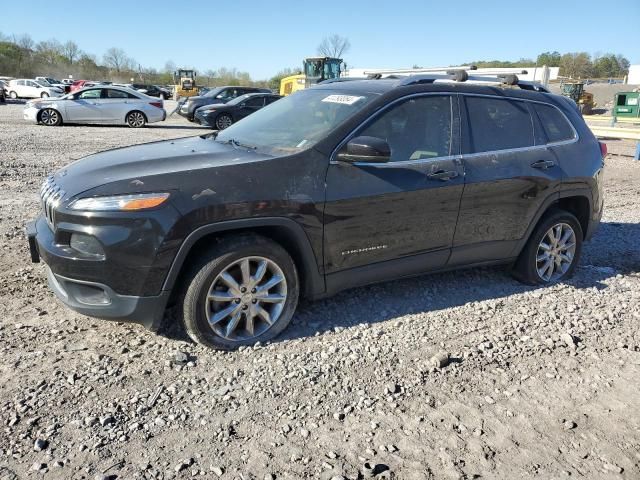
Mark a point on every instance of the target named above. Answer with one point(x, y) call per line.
point(543, 382)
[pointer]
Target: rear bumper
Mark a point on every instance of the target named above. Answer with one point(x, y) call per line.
point(92, 298)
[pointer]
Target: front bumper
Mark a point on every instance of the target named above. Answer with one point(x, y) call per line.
point(31, 114)
point(92, 298)
point(202, 119)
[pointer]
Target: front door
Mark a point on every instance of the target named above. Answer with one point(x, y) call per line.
point(406, 208)
point(509, 173)
point(249, 106)
point(85, 106)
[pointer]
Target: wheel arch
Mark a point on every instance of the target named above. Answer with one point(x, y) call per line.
point(146, 119)
point(286, 232)
point(575, 201)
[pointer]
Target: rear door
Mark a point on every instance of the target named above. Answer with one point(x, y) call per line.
point(405, 209)
point(85, 106)
point(114, 105)
point(509, 173)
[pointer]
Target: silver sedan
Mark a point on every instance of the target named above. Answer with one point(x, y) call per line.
point(98, 104)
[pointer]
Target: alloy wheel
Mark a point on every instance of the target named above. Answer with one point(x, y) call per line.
point(223, 121)
point(49, 117)
point(556, 252)
point(246, 298)
point(135, 119)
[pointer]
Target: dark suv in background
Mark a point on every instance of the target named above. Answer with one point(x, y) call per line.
point(339, 185)
point(216, 95)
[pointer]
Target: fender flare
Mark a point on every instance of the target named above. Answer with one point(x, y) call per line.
point(315, 282)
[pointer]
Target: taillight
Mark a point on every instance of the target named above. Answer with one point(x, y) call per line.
point(156, 104)
point(603, 149)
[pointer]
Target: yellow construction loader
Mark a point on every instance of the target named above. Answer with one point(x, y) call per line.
point(184, 83)
point(316, 69)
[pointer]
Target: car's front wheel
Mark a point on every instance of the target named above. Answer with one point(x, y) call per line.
point(50, 117)
point(136, 119)
point(223, 121)
point(552, 251)
point(243, 290)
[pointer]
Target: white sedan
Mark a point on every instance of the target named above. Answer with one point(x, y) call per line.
point(100, 104)
point(26, 88)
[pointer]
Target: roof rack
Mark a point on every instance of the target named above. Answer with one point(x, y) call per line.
point(461, 75)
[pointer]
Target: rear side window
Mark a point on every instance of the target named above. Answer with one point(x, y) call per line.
point(554, 124)
point(116, 93)
point(496, 124)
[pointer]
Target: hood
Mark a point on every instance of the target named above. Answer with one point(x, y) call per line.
point(133, 165)
point(212, 106)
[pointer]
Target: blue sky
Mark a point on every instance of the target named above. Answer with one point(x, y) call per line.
point(264, 37)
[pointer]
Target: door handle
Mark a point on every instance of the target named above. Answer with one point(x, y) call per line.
point(444, 175)
point(543, 164)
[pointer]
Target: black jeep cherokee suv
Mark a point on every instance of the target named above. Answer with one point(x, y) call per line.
point(339, 185)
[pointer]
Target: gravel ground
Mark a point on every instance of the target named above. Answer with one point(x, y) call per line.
point(457, 375)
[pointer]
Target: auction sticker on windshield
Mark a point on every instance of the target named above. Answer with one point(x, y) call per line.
point(343, 99)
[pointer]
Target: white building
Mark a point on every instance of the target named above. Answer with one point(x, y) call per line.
point(634, 75)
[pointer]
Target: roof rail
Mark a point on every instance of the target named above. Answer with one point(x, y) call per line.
point(458, 75)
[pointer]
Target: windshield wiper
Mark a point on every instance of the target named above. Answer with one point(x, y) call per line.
point(236, 143)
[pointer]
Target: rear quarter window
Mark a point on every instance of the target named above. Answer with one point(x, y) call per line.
point(555, 125)
point(497, 124)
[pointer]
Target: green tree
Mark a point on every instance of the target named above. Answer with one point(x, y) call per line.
point(576, 65)
point(550, 59)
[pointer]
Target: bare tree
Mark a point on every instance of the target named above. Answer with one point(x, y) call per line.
point(116, 59)
point(209, 75)
point(170, 67)
point(24, 41)
point(334, 46)
point(71, 51)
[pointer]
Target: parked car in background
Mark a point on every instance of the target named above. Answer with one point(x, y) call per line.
point(106, 105)
point(223, 115)
point(79, 84)
point(50, 81)
point(216, 95)
point(152, 90)
point(27, 88)
point(3, 91)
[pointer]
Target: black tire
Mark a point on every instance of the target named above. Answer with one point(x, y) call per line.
point(224, 120)
point(526, 267)
point(50, 117)
point(13, 94)
point(136, 119)
point(213, 262)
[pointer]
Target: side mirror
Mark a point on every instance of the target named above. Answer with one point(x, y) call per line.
point(365, 149)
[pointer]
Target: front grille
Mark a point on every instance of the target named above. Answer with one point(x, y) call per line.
point(50, 194)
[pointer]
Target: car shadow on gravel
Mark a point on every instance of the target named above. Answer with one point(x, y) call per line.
point(614, 250)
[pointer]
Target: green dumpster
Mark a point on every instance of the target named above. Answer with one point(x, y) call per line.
point(625, 104)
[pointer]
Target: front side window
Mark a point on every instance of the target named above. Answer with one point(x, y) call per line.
point(496, 124)
point(296, 122)
point(554, 124)
point(95, 93)
point(418, 128)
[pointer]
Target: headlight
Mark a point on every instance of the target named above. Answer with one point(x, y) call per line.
point(120, 203)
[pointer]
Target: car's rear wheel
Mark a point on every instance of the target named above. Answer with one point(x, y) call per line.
point(13, 94)
point(136, 119)
point(223, 121)
point(243, 290)
point(553, 250)
point(44, 95)
point(50, 117)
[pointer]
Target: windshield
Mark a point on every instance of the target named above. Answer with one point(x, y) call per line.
point(212, 93)
point(296, 122)
point(239, 99)
point(43, 83)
